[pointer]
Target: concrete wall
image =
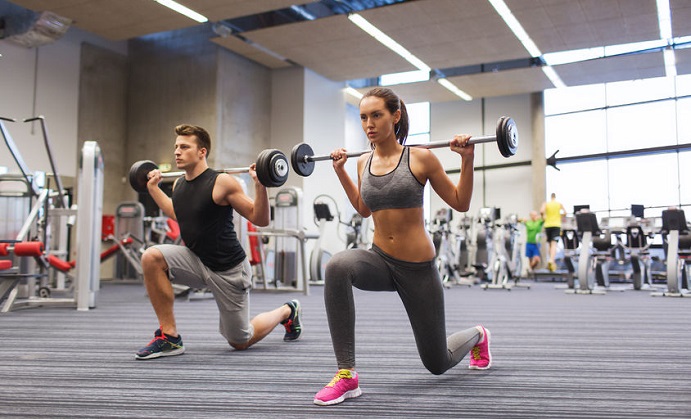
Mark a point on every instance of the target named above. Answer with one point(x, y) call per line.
point(102, 117)
point(511, 189)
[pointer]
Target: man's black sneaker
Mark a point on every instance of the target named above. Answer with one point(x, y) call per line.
point(161, 345)
point(292, 323)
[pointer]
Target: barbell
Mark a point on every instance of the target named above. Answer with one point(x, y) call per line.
point(302, 156)
point(272, 170)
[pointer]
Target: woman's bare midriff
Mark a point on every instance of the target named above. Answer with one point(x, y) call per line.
point(401, 233)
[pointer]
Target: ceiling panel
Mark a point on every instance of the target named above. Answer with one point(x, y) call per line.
point(612, 69)
point(503, 83)
point(125, 19)
point(241, 47)
point(333, 47)
point(681, 17)
point(446, 34)
point(115, 20)
point(217, 10)
point(429, 91)
point(449, 33)
point(561, 25)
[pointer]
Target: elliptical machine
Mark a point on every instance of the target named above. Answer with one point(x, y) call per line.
point(319, 257)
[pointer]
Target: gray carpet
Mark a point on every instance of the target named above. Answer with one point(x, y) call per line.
point(623, 355)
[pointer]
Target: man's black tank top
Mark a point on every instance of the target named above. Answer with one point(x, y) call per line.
point(206, 228)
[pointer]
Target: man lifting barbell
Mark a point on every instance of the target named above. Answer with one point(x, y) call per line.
point(391, 181)
point(202, 202)
point(271, 167)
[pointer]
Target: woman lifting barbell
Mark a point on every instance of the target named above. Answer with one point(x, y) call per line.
point(391, 180)
point(202, 202)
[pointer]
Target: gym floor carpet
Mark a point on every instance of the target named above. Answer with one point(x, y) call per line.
point(620, 355)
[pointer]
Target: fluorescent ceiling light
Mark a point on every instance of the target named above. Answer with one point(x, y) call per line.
point(405, 77)
point(302, 12)
point(522, 36)
point(553, 76)
point(183, 10)
point(573, 56)
point(664, 18)
point(578, 55)
point(394, 46)
point(611, 50)
point(516, 27)
point(353, 92)
point(452, 88)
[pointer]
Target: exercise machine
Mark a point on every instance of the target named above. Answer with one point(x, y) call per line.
point(484, 244)
point(675, 233)
point(287, 252)
point(593, 276)
point(320, 256)
point(447, 246)
point(506, 263)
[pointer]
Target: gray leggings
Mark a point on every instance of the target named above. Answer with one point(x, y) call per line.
point(420, 288)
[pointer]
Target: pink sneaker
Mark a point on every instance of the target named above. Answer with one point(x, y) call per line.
point(480, 356)
point(343, 386)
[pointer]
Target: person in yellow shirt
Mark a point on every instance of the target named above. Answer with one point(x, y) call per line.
point(552, 212)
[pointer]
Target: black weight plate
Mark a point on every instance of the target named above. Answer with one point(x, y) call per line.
point(511, 132)
point(262, 169)
point(138, 174)
point(501, 136)
point(297, 159)
point(278, 167)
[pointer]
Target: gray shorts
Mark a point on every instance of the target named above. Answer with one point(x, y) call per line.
point(231, 288)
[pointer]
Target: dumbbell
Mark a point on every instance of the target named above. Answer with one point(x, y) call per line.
point(272, 170)
point(302, 156)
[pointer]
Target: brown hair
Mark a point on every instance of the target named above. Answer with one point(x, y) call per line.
point(203, 137)
point(393, 103)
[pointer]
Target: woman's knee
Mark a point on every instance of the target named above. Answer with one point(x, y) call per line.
point(339, 265)
point(435, 367)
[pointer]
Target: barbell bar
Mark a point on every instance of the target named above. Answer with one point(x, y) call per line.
point(302, 156)
point(272, 170)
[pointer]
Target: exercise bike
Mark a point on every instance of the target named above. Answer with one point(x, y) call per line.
point(319, 256)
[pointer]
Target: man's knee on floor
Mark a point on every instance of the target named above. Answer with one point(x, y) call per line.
point(240, 346)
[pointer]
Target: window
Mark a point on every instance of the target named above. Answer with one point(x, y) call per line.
point(614, 118)
point(418, 133)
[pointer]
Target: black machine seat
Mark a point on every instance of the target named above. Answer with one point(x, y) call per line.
point(675, 219)
point(587, 221)
point(570, 239)
point(636, 238)
point(603, 242)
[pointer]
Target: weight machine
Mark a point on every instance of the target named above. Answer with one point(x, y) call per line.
point(86, 283)
point(289, 271)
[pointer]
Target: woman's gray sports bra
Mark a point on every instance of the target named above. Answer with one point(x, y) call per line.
point(397, 189)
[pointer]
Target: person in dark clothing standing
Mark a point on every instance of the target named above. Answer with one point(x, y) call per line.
point(202, 202)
